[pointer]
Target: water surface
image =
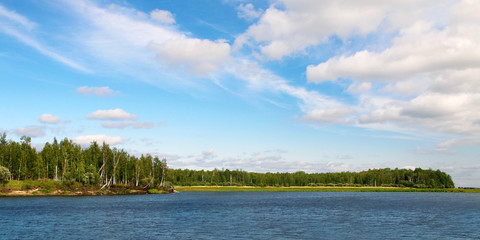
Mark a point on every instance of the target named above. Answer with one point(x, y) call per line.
point(245, 215)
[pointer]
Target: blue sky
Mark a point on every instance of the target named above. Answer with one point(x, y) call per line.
point(289, 85)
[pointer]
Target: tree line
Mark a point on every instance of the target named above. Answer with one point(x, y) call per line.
point(68, 162)
point(102, 165)
point(420, 178)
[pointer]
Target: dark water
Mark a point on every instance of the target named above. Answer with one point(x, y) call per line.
point(244, 215)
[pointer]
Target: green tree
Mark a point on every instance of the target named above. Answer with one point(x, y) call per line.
point(4, 175)
point(3, 150)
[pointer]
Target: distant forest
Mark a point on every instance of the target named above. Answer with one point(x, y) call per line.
point(102, 165)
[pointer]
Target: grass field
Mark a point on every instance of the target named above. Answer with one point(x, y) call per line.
point(318, 189)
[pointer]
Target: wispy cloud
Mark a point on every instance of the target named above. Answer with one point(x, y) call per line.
point(21, 28)
point(16, 18)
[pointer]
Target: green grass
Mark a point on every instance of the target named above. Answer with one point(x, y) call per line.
point(154, 191)
point(32, 184)
point(320, 189)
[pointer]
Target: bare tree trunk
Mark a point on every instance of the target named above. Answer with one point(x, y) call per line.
point(137, 175)
point(136, 179)
point(162, 182)
point(116, 159)
point(107, 183)
point(114, 180)
point(56, 167)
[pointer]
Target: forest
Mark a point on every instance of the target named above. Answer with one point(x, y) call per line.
point(103, 166)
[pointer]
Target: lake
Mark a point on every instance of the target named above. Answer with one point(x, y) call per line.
point(244, 215)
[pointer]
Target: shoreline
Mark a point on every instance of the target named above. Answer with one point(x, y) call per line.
point(55, 188)
point(40, 193)
point(81, 190)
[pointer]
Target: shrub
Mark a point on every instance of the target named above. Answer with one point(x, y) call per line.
point(407, 183)
point(27, 186)
point(168, 185)
point(154, 191)
point(145, 181)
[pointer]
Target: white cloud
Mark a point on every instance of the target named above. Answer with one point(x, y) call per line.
point(405, 88)
point(456, 81)
point(334, 115)
point(98, 91)
point(49, 118)
point(436, 105)
point(198, 56)
point(162, 16)
point(290, 26)
point(420, 50)
point(31, 131)
point(88, 139)
point(114, 114)
point(209, 153)
point(247, 11)
point(359, 88)
point(466, 12)
point(457, 142)
point(429, 112)
point(426, 82)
